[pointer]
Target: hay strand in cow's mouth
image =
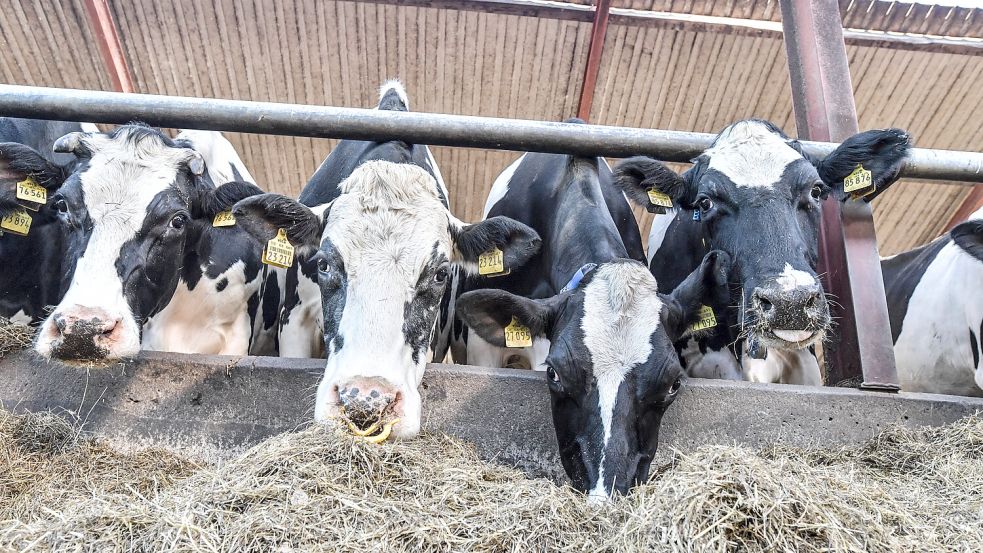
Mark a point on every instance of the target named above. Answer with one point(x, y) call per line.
point(15, 336)
point(906, 490)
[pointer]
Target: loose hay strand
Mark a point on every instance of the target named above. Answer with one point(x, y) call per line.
point(906, 490)
point(14, 336)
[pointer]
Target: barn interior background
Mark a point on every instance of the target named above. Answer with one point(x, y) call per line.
point(685, 65)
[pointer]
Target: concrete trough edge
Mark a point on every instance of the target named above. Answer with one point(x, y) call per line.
point(211, 403)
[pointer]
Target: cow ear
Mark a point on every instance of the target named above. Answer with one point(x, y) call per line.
point(969, 237)
point(212, 201)
point(707, 285)
point(262, 216)
point(489, 311)
point(517, 242)
point(19, 162)
point(637, 176)
point(882, 152)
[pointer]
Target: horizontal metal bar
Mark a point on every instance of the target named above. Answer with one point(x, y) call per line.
point(416, 127)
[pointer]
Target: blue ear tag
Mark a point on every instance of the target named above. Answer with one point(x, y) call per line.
point(696, 214)
point(578, 276)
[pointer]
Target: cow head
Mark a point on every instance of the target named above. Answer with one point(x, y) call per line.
point(757, 196)
point(134, 208)
point(611, 370)
point(384, 251)
point(19, 163)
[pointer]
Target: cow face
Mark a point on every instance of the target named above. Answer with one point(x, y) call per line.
point(612, 369)
point(134, 208)
point(384, 250)
point(755, 195)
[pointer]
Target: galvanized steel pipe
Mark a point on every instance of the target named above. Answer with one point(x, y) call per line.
point(415, 127)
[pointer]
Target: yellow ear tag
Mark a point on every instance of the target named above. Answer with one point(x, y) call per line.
point(31, 191)
point(18, 222)
point(224, 219)
point(659, 199)
point(278, 251)
point(517, 336)
point(859, 183)
point(492, 263)
point(707, 319)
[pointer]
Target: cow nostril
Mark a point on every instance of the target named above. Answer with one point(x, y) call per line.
point(60, 323)
point(811, 301)
point(766, 306)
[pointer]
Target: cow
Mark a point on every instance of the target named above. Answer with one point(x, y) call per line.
point(755, 194)
point(935, 303)
point(383, 245)
point(300, 323)
point(26, 157)
point(139, 209)
point(592, 314)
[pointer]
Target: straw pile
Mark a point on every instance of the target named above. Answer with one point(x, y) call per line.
point(14, 336)
point(905, 491)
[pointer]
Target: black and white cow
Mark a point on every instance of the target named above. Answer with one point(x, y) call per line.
point(383, 246)
point(138, 209)
point(26, 154)
point(300, 320)
point(603, 333)
point(935, 301)
point(755, 195)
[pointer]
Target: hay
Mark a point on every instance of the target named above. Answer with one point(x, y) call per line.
point(905, 491)
point(14, 336)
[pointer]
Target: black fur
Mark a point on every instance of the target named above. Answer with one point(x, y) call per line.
point(262, 215)
point(882, 152)
point(517, 241)
point(636, 175)
point(969, 237)
point(212, 201)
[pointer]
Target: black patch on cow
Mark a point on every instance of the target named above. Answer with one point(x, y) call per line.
point(420, 313)
point(338, 341)
point(271, 299)
point(902, 274)
point(263, 215)
point(221, 284)
point(973, 345)
point(969, 237)
point(474, 240)
point(334, 290)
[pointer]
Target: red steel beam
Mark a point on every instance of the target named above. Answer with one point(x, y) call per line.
point(822, 98)
point(599, 29)
point(973, 202)
point(104, 28)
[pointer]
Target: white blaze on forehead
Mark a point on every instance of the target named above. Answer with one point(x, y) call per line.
point(790, 279)
point(751, 154)
point(384, 226)
point(621, 311)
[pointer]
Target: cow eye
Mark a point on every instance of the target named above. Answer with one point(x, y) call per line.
point(323, 266)
point(61, 205)
point(441, 275)
point(816, 192)
point(178, 221)
point(552, 376)
point(675, 387)
point(705, 204)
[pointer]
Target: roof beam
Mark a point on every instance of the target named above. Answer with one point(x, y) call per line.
point(594, 52)
point(104, 28)
point(549, 9)
point(973, 202)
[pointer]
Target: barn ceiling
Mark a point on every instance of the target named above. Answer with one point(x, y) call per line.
point(493, 64)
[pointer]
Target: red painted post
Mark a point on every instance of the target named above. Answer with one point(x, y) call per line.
point(597, 33)
point(104, 29)
point(969, 206)
point(822, 95)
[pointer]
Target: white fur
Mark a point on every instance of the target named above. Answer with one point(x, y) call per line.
point(933, 351)
point(714, 364)
point(219, 155)
point(483, 354)
point(790, 279)
point(302, 336)
point(621, 311)
point(798, 366)
point(436, 174)
point(394, 84)
point(501, 186)
point(751, 155)
point(657, 234)
point(89, 127)
point(122, 179)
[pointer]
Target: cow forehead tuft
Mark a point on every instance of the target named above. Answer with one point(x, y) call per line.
point(751, 154)
point(621, 312)
point(384, 184)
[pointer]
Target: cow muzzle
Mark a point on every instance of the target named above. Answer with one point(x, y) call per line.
point(789, 317)
point(81, 333)
point(370, 406)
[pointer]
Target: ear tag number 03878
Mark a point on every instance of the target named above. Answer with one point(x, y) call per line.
point(30, 191)
point(517, 335)
point(18, 222)
point(278, 251)
point(660, 201)
point(707, 319)
point(224, 219)
point(859, 183)
point(492, 263)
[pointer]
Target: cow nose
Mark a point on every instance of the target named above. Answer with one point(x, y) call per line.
point(790, 307)
point(367, 400)
point(85, 322)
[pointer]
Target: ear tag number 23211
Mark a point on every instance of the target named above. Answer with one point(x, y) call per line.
point(278, 251)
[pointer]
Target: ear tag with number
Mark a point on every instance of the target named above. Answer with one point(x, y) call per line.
point(492, 263)
point(517, 335)
point(707, 319)
point(30, 191)
point(18, 222)
point(660, 202)
point(278, 251)
point(859, 183)
point(224, 219)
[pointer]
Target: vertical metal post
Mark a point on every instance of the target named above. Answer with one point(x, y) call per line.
point(822, 95)
point(104, 28)
point(594, 51)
